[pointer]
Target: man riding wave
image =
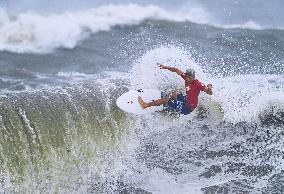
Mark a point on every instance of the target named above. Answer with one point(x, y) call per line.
point(182, 103)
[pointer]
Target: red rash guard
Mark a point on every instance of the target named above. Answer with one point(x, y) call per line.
point(192, 91)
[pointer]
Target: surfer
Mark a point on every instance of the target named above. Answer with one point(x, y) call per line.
point(182, 103)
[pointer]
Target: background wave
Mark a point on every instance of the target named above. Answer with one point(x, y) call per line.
point(264, 13)
point(40, 34)
point(31, 31)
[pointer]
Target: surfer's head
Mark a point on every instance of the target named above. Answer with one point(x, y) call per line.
point(190, 75)
point(190, 72)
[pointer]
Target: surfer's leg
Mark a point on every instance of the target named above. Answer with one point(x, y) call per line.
point(158, 102)
point(179, 104)
point(173, 95)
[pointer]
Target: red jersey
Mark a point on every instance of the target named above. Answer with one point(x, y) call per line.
point(192, 91)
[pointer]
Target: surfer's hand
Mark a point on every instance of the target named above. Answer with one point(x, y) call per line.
point(209, 86)
point(208, 89)
point(161, 65)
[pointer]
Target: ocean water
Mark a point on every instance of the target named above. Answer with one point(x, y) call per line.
point(64, 63)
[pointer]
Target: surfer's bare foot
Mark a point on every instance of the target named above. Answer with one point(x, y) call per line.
point(142, 103)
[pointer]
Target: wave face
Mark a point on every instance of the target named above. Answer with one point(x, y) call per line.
point(53, 137)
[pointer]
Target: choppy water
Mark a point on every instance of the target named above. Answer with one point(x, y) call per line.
point(62, 66)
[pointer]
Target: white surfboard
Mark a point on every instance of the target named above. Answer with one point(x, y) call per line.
point(128, 101)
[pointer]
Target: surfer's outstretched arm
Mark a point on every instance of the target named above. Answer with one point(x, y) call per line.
point(173, 69)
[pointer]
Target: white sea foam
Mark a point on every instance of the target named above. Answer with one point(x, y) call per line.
point(246, 97)
point(146, 72)
point(242, 98)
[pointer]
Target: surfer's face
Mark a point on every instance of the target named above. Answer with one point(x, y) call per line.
point(190, 79)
